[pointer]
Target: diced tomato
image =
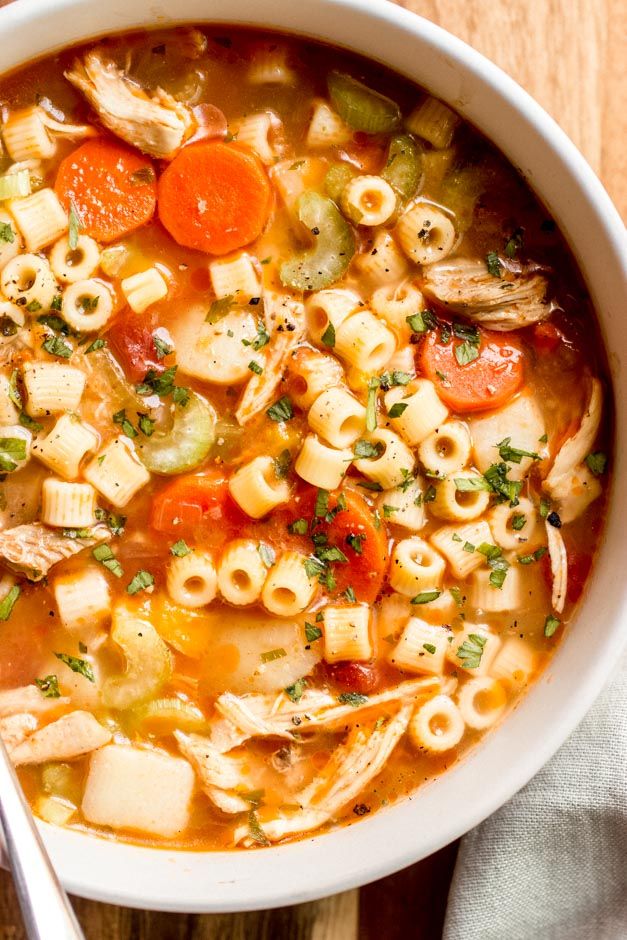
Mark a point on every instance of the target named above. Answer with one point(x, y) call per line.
point(354, 677)
point(197, 503)
point(132, 342)
point(546, 337)
point(354, 531)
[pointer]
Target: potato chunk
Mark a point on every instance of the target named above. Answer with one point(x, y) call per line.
point(131, 788)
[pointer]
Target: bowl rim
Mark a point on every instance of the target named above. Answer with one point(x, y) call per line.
point(342, 859)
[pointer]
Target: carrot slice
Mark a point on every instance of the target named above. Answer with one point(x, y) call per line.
point(488, 381)
point(214, 197)
point(112, 187)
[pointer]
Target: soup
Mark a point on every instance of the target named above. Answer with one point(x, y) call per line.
point(304, 444)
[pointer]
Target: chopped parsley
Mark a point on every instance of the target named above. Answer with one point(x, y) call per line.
point(408, 479)
point(27, 422)
point(97, 344)
point(456, 594)
point(161, 347)
point(397, 409)
point(493, 264)
point(429, 647)
point(545, 508)
point(425, 597)
point(140, 582)
point(105, 556)
point(422, 322)
point(74, 226)
point(281, 410)
point(127, 428)
point(329, 553)
point(391, 379)
point(255, 831)
point(349, 594)
point(514, 454)
point(146, 425)
point(322, 503)
point(429, 494)
point(114, 520)
point(371, 485)
point(295, 691)
point(470, 484)
point(255, 367)
point(596, 463)
point(514, 243)
point(219, 308)
point(298, 527)
point(471, 650)
point(550, 625)
point(355, 699)
point(519, 521)
point(6, 233)
point(312, 633)
point(261, 339)
point(496, 476)
point(388, 511)
point(180, 549)
point(56, 347)
point(12, 452)
point(9, 601)
point(80, 666)
point(356, 542)
point(282, 464)
point(534, 556)
point(270, 655)
point(48, 686)
point(367, 449)
point(162, 384)
point(328, 337)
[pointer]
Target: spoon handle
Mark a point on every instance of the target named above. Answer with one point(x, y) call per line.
point(46, 908)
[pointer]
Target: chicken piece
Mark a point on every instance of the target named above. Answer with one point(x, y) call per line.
point(33, 549)
point(158, 124)
point(559, 567)
point(573, 492)
point(576, 448)
point(217, 773)
point(28, 698)
point(351, 768)
point(466, 286)
point(135, 788)
point(16, 728)
point(279, 716)
point(285, 322)
point(70, 736)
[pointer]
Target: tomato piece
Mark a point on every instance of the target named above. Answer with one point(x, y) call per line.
point(354, 531)
point(489, 381)
point(545, 338)
point(132, 343)
point(354, 677)
point(197, 502)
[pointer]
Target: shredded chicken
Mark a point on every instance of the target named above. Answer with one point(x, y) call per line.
point(70, 736)
point(559, 567)
point(278, 716)
point(576, 448)
point(157, 124)
point(33, 549)
point(351, 768)
point(573, 492)
point(217, 773)
point(466, 286)
point(285, 322)
point(16, 728)
point(28, 698)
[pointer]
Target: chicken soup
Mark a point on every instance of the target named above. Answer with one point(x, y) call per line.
point(304, 437)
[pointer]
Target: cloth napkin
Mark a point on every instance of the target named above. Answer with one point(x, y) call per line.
point(552, 863)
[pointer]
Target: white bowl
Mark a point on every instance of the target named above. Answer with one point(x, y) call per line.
point(441, 811)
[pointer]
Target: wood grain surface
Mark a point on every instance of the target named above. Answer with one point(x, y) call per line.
point(570, 55)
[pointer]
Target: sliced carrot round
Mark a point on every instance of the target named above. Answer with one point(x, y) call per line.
point(488, 381)
point(112, 187)
point(214, 197)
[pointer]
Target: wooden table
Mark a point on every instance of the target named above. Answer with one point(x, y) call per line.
point(570, 55)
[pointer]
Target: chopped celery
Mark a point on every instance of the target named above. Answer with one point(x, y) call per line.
point(186, 444)
point(61, 780)
point(361, 107)
point(148, 661)
point(13, 185)
point(326, 262)
point(460, 191)
point(403, 170)
point(171, 714)
point(338, 176)
point(54, 810)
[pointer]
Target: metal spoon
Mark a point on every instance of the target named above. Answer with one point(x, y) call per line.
point(45, 906)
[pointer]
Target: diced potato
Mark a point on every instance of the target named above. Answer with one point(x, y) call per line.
point(131, 788)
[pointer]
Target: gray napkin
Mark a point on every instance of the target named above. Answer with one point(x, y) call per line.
point(552, 863)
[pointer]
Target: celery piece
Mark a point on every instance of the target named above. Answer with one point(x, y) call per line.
point(334, 246)
point(186, 444)
point(13, 185)
point(361, 107)
point(403, 170)
point(338, 176)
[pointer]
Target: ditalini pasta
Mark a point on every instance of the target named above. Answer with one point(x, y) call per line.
point(305, 437)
